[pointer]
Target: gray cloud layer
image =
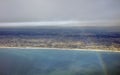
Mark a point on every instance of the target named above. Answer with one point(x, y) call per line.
point(57, 10)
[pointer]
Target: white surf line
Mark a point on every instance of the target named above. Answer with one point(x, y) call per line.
point(94, 50)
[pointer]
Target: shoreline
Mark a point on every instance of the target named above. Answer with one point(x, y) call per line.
point(94, 50)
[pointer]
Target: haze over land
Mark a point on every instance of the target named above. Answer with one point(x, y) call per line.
point(57, 12)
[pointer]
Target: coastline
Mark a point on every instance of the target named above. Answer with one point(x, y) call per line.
point(94, 50)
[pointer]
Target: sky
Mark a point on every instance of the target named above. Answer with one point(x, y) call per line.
point(59, 12)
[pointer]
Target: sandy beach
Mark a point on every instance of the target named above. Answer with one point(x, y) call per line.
point(96, 50)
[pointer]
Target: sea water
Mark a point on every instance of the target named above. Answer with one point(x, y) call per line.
point(15, 61)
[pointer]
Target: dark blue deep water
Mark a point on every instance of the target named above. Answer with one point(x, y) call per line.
point(58, 62)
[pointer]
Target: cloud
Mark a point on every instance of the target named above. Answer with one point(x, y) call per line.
point(61, 23)
point(47, 23)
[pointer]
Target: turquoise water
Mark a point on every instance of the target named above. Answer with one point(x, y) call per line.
point(58, 62)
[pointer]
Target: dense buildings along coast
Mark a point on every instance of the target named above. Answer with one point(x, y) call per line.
point(48, 37)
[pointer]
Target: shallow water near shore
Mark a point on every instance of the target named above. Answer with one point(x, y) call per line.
point(15, 61)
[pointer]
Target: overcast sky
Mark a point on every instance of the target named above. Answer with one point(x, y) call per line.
point(65, 11)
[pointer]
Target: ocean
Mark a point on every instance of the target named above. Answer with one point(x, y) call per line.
point(15, 61)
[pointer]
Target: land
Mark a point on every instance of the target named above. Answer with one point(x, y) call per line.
point(101, 38)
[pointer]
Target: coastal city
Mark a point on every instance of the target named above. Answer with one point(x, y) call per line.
point(60, 38)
